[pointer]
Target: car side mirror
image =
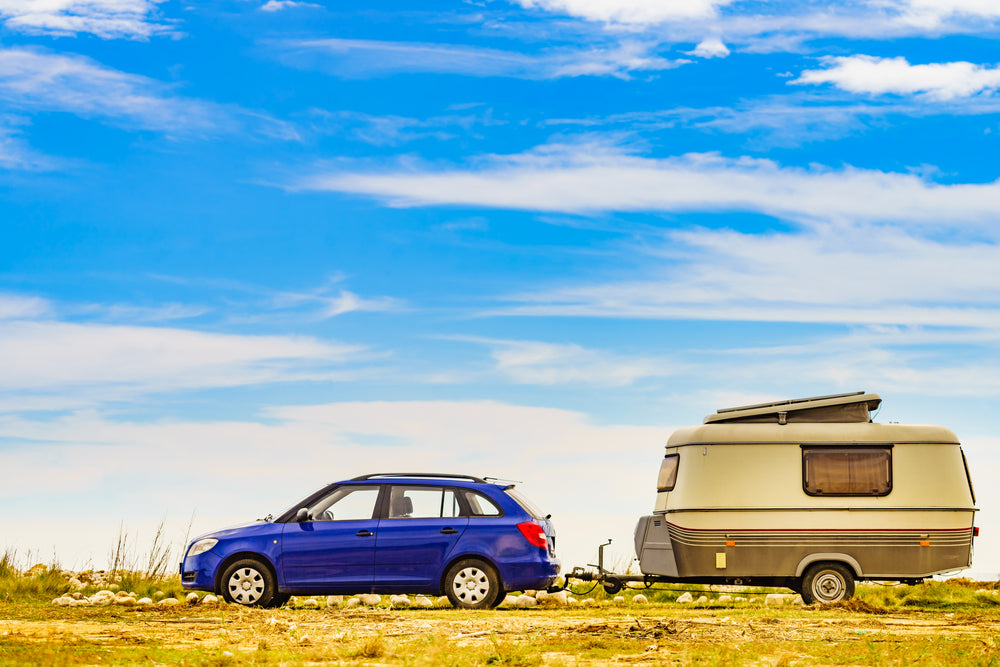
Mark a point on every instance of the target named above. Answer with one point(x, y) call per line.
point(302, 515)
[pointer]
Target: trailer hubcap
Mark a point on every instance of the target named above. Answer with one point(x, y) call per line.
point(829, 587)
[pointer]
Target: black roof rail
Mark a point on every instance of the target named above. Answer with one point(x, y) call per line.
point(432, 475)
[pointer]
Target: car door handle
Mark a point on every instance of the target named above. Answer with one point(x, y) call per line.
point(364, 533)
point(449, 531)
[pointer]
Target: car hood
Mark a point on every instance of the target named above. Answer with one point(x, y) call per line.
point(240, 530)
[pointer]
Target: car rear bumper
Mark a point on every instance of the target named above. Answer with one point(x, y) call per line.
point(531, 575)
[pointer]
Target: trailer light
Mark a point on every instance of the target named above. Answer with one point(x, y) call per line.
point(730, 543)
point(975, 531)
point(925, 543)
point(534, 534)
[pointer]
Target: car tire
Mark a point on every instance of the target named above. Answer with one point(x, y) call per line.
point(472, 584)
point(826, 583)
point(248, 582)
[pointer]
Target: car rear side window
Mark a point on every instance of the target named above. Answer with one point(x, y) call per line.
point(525, 504)
point(847, 471)
point(480, 505)
point(423, 502)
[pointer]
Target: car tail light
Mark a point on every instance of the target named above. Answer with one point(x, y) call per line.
point(975, 531)
point(534, 534)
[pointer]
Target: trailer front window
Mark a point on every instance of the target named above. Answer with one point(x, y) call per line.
point(668, 473)
point(847, 471)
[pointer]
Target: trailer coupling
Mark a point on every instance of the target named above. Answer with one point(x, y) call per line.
point(611, 581)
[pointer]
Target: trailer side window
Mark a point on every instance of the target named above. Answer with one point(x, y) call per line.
point(847, 471)
point(668, 473)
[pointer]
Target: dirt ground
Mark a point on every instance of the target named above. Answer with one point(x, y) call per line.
point(656, 634)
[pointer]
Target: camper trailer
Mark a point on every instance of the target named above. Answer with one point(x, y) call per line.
point(809, 494)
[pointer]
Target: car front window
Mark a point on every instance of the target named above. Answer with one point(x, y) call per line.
point(346, 503)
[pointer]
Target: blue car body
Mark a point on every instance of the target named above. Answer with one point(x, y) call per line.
point(392, 550)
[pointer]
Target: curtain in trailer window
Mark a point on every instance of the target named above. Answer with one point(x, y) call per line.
point(846, 471)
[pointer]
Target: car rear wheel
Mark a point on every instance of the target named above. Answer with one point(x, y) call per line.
point(827, 582)
point(472, 584)
point(250, 583)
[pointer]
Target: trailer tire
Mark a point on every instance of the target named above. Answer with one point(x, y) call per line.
point(826, 583)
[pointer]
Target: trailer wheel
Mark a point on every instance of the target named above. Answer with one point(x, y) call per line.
point(827, 582)
point(612, 586)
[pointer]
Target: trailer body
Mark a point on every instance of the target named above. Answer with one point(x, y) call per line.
point(785, 493)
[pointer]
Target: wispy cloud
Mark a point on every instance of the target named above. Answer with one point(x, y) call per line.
point(630, 11)
point(361, 58)
point(826, 274)
point(390, 130)
point(16, 153)
point(868, 74)
point(107, 19)
point(593, 177)
point(36, 80)
point(279, 5)
point(541, 363)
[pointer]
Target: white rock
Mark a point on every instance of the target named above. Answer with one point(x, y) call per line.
point(685, 597)
point(774, 599)
point(725, 598)
point(619, 599)
point(353, 602)
point(588, 602)
point(370, 599)
point(640, 599)
point(740, 599)
point(702, 600)
point(334, 600)
point(442, 601)
point(191, 598)
point(84, 602)
point(798, 601)
point(104, 592)
point(159, 595)
point(572, 601)
point(311, 603)
point(532, 593)
point(168, 602)
point(144, 601)
point(125, 602)
point(558, 599)
point(541, 596)
point(423, 601)
point(62, 601)
point(76, 584)
point(210, 599)
point(399, 601)
point(524, 601)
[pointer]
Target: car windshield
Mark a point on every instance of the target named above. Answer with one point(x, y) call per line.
point(525, 504)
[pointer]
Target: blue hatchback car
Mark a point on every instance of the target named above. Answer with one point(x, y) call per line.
point(456, 535)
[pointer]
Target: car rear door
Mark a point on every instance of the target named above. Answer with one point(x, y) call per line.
point(421, 527)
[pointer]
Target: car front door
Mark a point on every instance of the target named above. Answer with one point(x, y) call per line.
point(421, 527)
point(334, 548)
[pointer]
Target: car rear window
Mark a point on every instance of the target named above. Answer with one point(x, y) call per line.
point(525, 504)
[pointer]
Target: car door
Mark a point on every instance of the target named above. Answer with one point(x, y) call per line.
point(421, 527)
point(335, 548)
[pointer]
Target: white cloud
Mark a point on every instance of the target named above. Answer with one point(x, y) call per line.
point(630, 11)
point(712, 47)
point(932, 14)
point(16, 307)
point(541, 363)
point(356, 58)
point(41, 81)
point(827, 274)
point(278, 5)
point(108, 19)
point(591, 177)
point(868, 74)
point(59, 357)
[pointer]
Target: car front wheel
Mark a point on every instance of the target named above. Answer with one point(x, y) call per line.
point(472, 584)
point(250, 583)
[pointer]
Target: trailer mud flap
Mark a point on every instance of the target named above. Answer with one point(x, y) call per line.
point(653, 547)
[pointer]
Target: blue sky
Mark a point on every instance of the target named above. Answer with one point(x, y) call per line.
point(252, 247)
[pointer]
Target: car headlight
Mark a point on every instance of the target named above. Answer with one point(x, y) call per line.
point(201, 546)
